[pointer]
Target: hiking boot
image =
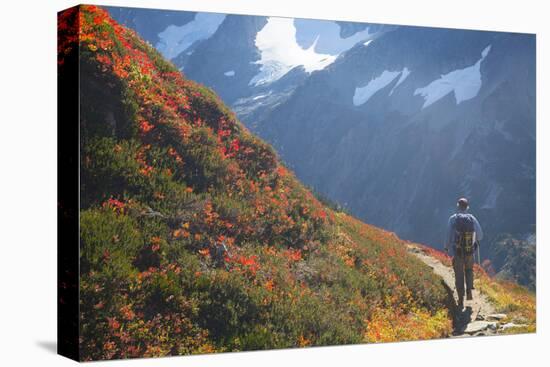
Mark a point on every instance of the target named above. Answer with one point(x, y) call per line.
point(460, 303)
point(469, 295)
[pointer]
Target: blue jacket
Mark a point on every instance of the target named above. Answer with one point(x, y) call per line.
point(451, 231)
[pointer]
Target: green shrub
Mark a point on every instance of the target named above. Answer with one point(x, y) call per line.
point(109, 242)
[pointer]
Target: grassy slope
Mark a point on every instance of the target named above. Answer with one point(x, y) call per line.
point(168, 175)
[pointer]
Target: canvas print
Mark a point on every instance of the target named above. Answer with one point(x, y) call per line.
point(235, 183)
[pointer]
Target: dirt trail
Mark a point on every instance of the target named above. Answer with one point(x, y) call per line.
point(478, 316)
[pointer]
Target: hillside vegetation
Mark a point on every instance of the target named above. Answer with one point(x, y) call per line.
point(196, 239)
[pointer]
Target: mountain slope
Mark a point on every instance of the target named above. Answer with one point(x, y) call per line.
point(415, 143)
point(150, 23)
point(414, 116)
point(196, 239)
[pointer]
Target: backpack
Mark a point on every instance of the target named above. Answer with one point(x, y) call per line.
point(465, 233)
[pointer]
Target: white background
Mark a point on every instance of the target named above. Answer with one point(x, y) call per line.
point(28, 181)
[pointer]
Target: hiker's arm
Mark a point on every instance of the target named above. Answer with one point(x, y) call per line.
point(479, 231)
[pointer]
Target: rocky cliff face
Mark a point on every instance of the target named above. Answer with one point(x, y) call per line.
point(226, 61)
point(149, 23)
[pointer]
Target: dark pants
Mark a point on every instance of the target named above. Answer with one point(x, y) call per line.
point(463, 266)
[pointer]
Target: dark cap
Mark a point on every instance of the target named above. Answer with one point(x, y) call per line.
point(462, 203)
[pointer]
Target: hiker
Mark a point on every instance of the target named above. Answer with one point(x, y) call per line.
point(463, 236)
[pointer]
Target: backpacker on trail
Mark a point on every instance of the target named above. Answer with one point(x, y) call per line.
point(463, 235)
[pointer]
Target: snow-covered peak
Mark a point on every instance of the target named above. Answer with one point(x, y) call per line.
point(176, 39)
point(281, 48)
point(465, 83)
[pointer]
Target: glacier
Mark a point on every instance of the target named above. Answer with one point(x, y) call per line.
point(285, 43)
point(176, 39)
point(465, 83)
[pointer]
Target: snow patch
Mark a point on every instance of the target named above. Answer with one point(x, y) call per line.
point(404, 74)
point(176, 39)
point(229, 73)
point(255, 98)
point(363, 94)
point(465, 83)
point(326, 36)
point(281, 42)
point(367, 43)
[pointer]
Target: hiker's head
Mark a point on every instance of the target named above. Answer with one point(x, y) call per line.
point(462, 204)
